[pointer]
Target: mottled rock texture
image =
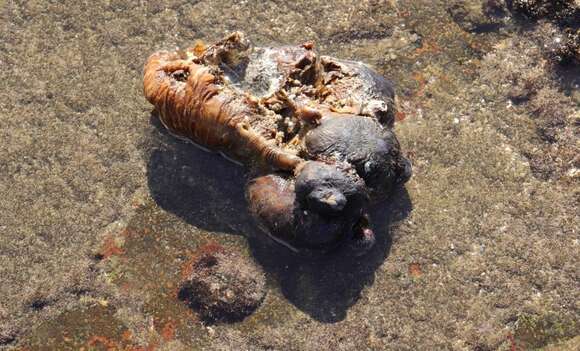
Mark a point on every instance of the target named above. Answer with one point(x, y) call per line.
point(222, 285)
point(99, 208)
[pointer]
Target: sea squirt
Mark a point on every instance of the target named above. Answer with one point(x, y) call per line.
point(314, 131)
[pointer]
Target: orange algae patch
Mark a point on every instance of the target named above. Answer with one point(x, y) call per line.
point(415, 270)
point(110, 248)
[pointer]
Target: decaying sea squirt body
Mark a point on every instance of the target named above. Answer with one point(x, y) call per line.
point(354, 108)
point(315, 130)
point(321, 209)
point(362, 142)
point(353, 87)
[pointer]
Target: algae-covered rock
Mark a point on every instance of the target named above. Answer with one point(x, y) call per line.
point(563, 11)
point(222, 285)
point(478, 16)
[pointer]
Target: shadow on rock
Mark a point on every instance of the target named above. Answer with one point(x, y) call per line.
point(207, 191)
point(202, 188)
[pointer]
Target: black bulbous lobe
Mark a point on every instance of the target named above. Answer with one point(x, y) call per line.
point(363, 142)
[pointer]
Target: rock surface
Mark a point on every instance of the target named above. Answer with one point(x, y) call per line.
point(99, 207)
point(222, 285)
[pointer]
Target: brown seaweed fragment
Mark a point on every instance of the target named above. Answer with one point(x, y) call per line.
point(194, 103)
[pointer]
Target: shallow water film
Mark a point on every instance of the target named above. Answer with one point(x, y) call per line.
point(103, 214)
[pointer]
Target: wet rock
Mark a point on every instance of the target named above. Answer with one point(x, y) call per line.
point(549, 130)
point(559, 46)
point(222, 285)
point(559, 26)
point(7, 337)
point(519, 69)
point(478, 16)
point(8, 333)
point(564, 48)
point(565, 12)
point(536, 331)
